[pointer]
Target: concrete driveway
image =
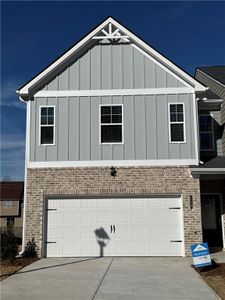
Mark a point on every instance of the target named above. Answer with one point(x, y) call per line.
point(107, 278)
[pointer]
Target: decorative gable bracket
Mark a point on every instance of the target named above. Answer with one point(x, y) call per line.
point(112, 34)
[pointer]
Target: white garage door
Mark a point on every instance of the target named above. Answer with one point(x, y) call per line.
point(115, 227)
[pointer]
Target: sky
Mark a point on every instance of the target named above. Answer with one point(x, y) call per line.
point(33, 34)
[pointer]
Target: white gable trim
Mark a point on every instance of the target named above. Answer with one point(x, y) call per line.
point(153, 53)
point(160, 65)
point(116, 92)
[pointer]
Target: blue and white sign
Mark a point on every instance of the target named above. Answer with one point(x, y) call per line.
point(201, 255)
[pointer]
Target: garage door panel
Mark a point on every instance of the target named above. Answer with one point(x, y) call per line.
point(68, 203)
point(172, 202)
point(68, 232)
point(138, 216)
point(138, 248)
point(138, 203)
point(87, 218)
point(53, 217)
point(157, 247)
point(104, 217)
point(121, 249)
point(156, 232)
point(138, 232)
point(104, 203)
point(172, 216)
point(54, 233)
point(68, 218)
point(87, 203)
point(155, 202)
point(173, 232)
point(173, 248)
point(156, 215)
point(121, 216)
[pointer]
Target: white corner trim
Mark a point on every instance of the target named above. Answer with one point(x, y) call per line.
point(116, 92)
point(109, 163)
point(196, 128)
point(197, 86)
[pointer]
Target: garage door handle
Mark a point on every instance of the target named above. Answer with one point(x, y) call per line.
point(50, 242)
point(114, 228)
point(111, 227)
point(51, 209)
point(176, 241)
point(174, 207)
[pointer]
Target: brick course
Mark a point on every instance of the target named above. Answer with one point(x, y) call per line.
point(97, 181)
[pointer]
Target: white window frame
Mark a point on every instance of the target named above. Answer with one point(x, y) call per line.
point(213, 146)
point(177, 122)
point(7, 204)
point(100, 124)
point(40, 125)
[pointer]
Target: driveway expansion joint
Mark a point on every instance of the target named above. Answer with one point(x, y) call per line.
point(101, 281)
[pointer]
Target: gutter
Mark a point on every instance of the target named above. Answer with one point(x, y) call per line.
point(207, 171)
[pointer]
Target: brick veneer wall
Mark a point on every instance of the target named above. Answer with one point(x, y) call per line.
point(97, 181)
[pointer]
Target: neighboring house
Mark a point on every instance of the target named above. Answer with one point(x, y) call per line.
point(212, 153)
point(11, 202)
point(112, 135)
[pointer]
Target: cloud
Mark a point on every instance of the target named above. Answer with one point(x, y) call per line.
point(12, 156)
point(12, 141)
point(9, 98)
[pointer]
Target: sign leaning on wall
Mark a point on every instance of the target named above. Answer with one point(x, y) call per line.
point(201, 255)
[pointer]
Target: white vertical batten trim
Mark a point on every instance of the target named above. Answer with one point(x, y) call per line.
point(27, 159)
point(196, 128)
point(114, 92)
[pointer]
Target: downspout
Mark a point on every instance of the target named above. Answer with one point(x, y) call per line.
point(25, 172)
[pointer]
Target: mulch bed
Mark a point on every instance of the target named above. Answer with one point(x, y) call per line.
point(214, 276)
point(8, 268)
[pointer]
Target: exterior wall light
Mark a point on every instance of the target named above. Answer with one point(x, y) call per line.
point(113, 172)
point(191, 202)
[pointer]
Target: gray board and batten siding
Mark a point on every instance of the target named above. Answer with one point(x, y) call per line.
point(146, 129)
point(111, 66)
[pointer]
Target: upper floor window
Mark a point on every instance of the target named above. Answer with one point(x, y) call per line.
point(111, 124)
point(206, 133)
point(176, 123)
point(7, 204)
point(47, 125)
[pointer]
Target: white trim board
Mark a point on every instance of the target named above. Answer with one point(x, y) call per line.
point(115, 163)
point(24, 91)
point(116, 92)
